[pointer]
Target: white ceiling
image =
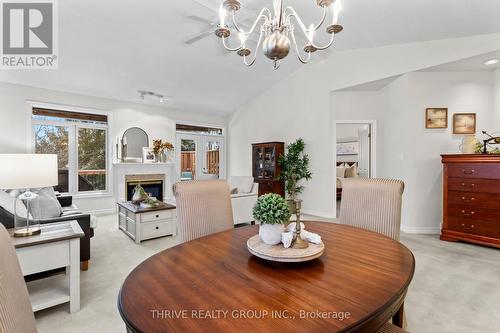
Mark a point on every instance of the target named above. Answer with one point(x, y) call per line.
point(468, 64)
point(113, 48)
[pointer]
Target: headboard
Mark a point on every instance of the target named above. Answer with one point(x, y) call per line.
point(348, 163)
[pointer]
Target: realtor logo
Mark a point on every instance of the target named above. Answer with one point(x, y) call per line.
point(29, 34)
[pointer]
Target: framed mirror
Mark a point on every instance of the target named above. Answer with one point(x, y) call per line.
point(133, 140)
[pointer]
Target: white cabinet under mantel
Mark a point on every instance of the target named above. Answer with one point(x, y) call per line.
point(122, 170)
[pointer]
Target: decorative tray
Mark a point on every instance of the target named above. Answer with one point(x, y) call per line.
point(278, 253)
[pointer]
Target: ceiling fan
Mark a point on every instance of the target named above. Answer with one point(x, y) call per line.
point(211, 25)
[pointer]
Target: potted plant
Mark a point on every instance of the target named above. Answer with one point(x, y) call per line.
point(271, 211)
point(294, 168)
point(159, 148)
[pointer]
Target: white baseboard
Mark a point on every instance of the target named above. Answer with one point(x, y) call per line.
point(421, 230)
point(99, 212)
point(326, 215)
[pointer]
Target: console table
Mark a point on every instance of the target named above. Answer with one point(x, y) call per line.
point(146, 223)
point(58, 245)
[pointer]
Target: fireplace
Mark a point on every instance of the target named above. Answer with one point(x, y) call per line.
point(153, 185)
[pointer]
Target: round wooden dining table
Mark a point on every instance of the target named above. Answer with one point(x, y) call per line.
point(213, 284)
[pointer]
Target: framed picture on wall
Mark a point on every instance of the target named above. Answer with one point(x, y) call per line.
point(148, 155)
point(464, 123)
point(348, 148)
point(436, 118)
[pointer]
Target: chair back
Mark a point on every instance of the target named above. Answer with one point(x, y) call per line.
point(372, 204)
point(203, 208)
point(16, 313)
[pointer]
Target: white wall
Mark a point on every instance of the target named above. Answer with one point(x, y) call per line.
point(158, 122)
point(408, 151)
point(299, 106)
point(497, 96)
point(348, 132)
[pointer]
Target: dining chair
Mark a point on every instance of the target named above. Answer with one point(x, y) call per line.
point(390, 328)
point(372, 204)
point(16, 313)
point(203, 208)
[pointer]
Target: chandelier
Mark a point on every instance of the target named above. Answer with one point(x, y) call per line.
point(277, 31)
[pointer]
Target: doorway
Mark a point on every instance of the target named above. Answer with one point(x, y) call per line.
point(199, 155)
point(355, 152)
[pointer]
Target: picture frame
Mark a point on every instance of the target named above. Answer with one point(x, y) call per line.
point(348, 148)
point(148, 155)
point(436, 118)
point(464, 123)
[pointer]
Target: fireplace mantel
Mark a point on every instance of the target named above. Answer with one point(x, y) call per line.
point(123, 169)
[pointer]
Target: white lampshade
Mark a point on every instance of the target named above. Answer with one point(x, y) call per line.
point(24, 171)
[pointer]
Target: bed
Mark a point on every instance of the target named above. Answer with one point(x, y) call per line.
point(352, 173)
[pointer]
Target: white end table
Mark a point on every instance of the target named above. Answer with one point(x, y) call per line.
point(58, 245)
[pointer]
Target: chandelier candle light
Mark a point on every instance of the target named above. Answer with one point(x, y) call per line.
point(277, 31)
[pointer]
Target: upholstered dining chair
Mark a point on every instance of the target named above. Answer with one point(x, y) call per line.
point(203, 208)
point(375, 205)
point(16, 314)
point(372, 204)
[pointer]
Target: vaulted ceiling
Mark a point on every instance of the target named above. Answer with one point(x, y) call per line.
point(113, 48)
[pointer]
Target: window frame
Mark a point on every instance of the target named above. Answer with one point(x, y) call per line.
point(73, 128)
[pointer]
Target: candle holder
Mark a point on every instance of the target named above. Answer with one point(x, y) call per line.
point(298, 242)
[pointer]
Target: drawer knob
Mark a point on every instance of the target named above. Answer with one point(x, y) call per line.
point(157, 216)
point(469, 172)
point(468, 214)
point(157, 228)
point(468, 200)
point(471, 185)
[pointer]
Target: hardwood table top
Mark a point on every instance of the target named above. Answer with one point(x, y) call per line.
point(213, 284)
point(50, 232)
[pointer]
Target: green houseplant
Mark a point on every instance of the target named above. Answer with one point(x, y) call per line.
point(271, 211)
point(294, 168)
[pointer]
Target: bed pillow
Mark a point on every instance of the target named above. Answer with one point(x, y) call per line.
point(341, 171)
point(46, 206)
point(352, 171)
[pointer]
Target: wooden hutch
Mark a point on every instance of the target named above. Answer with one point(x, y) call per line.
point(471, 195)
point(265, 167)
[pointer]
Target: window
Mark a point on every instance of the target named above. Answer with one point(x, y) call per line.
point(80, 141)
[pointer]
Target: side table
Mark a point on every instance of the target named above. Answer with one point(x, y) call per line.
point(58, 245)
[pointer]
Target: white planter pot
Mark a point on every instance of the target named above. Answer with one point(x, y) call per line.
point(271, 233)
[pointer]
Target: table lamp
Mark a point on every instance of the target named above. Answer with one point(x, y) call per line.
point(25, 172)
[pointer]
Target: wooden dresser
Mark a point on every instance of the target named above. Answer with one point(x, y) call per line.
point(471, 193)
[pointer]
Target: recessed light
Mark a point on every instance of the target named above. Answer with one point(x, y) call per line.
point(491, 62)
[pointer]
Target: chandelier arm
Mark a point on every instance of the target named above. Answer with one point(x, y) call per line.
point(303, 27)
point(297, 50)
point(261, 14)
point(305, 30)
point(247, 34)
point(255, 53)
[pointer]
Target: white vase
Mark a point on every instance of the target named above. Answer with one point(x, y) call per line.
point(271, 233)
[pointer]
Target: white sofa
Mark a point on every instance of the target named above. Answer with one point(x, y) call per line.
point(244, 193)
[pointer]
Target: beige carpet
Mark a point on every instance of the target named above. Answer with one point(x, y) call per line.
point(455, 288)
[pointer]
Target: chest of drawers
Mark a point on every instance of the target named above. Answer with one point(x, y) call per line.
point(471, 199)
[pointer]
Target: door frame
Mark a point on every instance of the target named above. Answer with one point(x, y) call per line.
point(373, 145)
point(200, 159)
point(373, 152)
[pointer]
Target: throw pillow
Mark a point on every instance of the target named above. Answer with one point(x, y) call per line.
point(245, 186)
point(341, 171)
point(352, 171)
point(8, 202)
point(46, 205)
